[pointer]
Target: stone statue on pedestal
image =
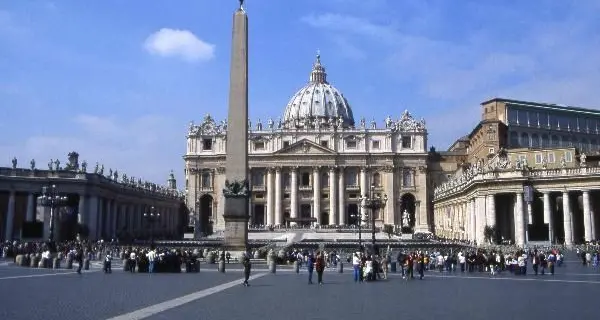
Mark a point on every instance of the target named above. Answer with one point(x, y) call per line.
point(32, 164)
point(582, 159)
point(84, 166)
point(14, 162)
point(57, 165)
point(101, 171)
point(50, 164)
point(405, 218)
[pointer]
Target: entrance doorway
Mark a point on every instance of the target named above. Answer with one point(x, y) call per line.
point(258, 215)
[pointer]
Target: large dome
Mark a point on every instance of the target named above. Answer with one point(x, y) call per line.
point(318, 102)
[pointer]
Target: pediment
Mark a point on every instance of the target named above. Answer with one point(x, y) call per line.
point(305, 146)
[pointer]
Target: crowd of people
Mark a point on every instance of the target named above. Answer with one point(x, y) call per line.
point(366, 267)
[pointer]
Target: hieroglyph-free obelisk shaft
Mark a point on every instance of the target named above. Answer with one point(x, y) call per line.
point(236, 189)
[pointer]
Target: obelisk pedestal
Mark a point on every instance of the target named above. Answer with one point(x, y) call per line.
point(236, 191)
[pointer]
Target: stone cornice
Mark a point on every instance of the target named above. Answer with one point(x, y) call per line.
point(456, 187)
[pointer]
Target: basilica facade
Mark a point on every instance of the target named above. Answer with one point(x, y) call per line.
point(315, 165)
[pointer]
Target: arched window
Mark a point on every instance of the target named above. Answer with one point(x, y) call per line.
point(545, 141)
point(525, 140)
point(566, 141)
point(376, 179)
point(555, 141)
point(407, 177)
point(584, 145)
point(514, 139)
point(535, 141)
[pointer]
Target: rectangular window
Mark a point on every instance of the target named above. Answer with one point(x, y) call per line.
point(491, 151)
point(286, 195)
point(259, 145)
point(325, 196)
point(351, 144)
point(406, 142)
point(551, 157)
point(351, 178)
point(352, 196)
point(325, 143)
point(568, 156)
point(259, 196)
point(375, 144)
point(258, 179)
point(207, 144)
point(286, 144)
point(538, 158)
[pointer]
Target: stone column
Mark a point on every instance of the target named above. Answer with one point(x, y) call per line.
point(491, 210)
point(294, 195)
point(102, 220)
point(82, 214)
point(278, 195)
point(114, 221)
point(93, 221)
point(333, 197)
point(567, 219)
point(474, 219)
point(132, 218)
point(31, 203)
point(481, 218)
point(10, 216)
point(364, 188)
point(389, 190)
point(519, 217)
point(548, 216)
point(270, 195)
point(317, 194)
point(341, 196)
point(587, 217)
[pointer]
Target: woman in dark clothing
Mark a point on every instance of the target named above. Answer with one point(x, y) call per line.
point(320, 267)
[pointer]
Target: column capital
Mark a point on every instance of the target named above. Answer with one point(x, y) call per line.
point(317, 168)
point(277, 169)
point(587, 191)
point(333, 168)
point(293, 168)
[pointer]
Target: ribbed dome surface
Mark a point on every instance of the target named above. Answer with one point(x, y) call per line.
point(318, 100)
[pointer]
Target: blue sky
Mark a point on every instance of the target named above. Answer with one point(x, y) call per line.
point(119, 80)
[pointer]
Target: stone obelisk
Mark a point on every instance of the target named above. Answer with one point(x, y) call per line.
point(236, 191)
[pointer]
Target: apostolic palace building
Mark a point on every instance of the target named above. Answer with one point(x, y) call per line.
point(527, 173)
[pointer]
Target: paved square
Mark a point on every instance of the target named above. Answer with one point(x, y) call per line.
point(47, 294)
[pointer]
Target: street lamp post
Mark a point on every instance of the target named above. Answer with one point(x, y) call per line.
point(359, 223)
point(52, 199)
point(152, 216)
point(374, 202)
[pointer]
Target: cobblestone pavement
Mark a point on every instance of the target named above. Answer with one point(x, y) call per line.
point(48, 294)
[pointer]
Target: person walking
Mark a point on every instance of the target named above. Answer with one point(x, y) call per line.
point(310, 265)
point(320, 266)
point(356, 266)
point(79, 259)
point(107, 263)
point(247, 268)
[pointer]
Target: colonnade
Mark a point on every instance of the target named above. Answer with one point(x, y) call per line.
point(336, 189)
point(466, 218)
point(103, 216)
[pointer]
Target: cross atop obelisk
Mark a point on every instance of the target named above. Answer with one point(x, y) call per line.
point(236, 191)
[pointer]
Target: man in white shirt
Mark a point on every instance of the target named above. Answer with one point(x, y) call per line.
point(151, 260)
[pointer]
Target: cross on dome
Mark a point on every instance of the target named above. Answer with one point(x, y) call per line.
point(318, 74)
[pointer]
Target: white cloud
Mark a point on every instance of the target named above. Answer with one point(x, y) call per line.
point(179, 43)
